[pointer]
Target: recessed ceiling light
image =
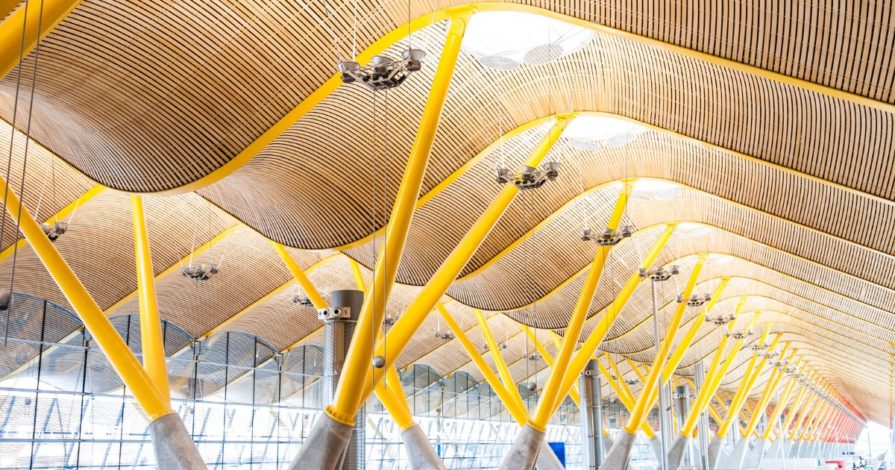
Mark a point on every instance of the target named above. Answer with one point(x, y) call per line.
point(504, 40)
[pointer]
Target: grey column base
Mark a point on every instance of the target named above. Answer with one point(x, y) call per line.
point(420, 454)
point(753, 459)
point(656, 442)
point(620, 452)
point(325, 446)
point(547, 459)
point(795, 449)
point(715, 452)
point(737, 457)
point(174, 448)
point(676, 453)
point(774, 451)
point(607, 442)
point(524, 452)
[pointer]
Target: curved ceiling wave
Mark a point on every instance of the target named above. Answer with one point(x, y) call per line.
point(560, 237)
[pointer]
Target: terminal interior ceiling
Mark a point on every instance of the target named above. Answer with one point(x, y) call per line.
point(746, 149)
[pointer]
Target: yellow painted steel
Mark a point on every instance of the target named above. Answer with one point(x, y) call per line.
point(153, 344)
point(624, 392)
point(519, 414)
point(587, 350)
point(753, 370)
point(299, 274)
point(794, 409)
point(391, 395)
point(117, 352)
point(359, 283)
point(7, 6)
point(766, 396)
point(713, 412)
point(781, 403)
point(717, 371)
point(26, 19)
point(350, 391)
point(573, 393)
point(652, 380)
point(553, 394)
point(810, 408)
point(637, 371)
point(501, 365)
point(404, 329)
point(61, 215)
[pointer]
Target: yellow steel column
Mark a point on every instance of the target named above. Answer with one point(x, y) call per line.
point(358, 276)
point(573, 393)
point(781, 403)
point(26, 18)
point(808, 413)
point(501, 365)
point(350, 391)
point(299, 274)
point(717, 371)
point(554, 393)
point(403, 330)
point(793, 409)
point(117, 352)
point(652, 380)
point(766, 396)
point(520, 414)
point(392, 398)
point(150, 326)
point(587, 350)
point(753, 370)
point(624, 393)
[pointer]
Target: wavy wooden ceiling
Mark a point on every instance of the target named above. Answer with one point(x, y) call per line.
point(796, 185)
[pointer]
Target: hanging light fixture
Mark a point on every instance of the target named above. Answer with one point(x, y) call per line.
point(530, 177)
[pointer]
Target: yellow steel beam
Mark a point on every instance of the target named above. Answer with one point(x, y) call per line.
point(804, 417)
point(29, 22)
point(117, 352)
point(150, 325)
point(358, 276)
point(753, 370)
point(652, 380)
point(781, 403)
point(299, 275)
point(624, 392)
point(553, 393)
point(350, 390)
point(640, 375)
point(519, 414)
point(501, 365)
point(61, 215)
point(795, 408)
point(766, 396)
point(587, 350)
point(573, 393)
point(415, 314)
point(717, 370)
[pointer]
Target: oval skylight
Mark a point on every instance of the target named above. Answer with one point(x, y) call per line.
point(655, 190)
point(504, 40)
point(590, 132)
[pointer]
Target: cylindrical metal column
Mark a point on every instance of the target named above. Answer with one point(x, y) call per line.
point(591, 404)
point(664, 421)
point(682, 400)
point(337, 332)
point(703, 423)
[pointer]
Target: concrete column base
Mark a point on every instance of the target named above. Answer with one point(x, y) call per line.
point(420, 453)
point(174, 448)
point(774, 450)
point(618, 456)
point(525, 449)
point(678, 450)
point(325, 446)
point(715, 452)
point(737, 457)
point(547, 459)
point(607, 442)
point(656, 442)
point(753, 459)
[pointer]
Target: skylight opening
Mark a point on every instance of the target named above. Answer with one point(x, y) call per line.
point(504, 40)
point(655, 190)
point(590, 132)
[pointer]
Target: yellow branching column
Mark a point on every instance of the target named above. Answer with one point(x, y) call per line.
point(163, 420)
point(28, 16)
point(617, 458)
point(524, 451)
point(331, 435)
